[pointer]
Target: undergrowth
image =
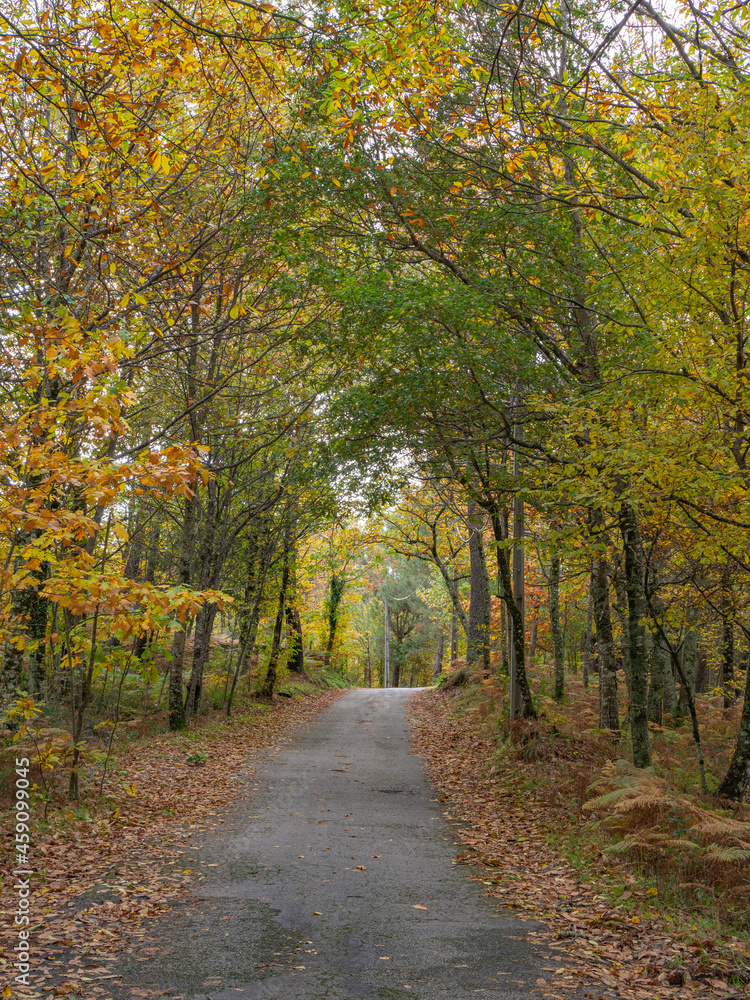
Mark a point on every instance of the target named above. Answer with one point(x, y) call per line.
point(47, 743)
point(647, 836)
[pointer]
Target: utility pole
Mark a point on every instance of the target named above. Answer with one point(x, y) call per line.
point(518, 561)
point(387, 651)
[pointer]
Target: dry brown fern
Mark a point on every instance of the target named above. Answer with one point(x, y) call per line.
point(637, 804)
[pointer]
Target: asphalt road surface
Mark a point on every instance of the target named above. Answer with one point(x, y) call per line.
point(334, 880)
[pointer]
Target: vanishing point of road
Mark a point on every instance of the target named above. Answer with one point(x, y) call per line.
point(335, 879)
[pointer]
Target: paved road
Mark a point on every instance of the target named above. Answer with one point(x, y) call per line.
point(323, 867)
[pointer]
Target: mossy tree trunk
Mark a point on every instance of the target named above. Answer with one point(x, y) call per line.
point(659, 667)
point(336, 587)
point(515, 616)
point(609, 712)
point(477, 637)
point(737, 777)
point(269, 682)
point(634, 568)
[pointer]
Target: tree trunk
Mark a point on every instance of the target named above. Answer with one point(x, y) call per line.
point(134, 548)
point(516, 618)
point(396, 668)
point(477, 638)
point(296, 652)
point(533, 635)
point(727, 662)
point(609, 713)
point(690, 696)
point(689, 670)
point(38, 652)
point(204, 626)
point(29, 612)
point(621, 610)
point(587, 640)
point(451, 585)
point(210, 558)
point(454, 634)
point(176, 704)
point(633, 552)
point(258, 564)
point(487, 592)
point(503, 630)
point(701, 671)
point(558, 649)
point(266, 690)
point(737, 777)
point(670, 691)
point(727, 643)
point(657, 684)
point(246, 646)
point(438, 668)
point(12, 672)
point(336, 587)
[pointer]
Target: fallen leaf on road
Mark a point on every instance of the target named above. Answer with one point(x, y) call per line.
point(417, 906)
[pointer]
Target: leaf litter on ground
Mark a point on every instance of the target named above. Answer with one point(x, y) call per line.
point(99, 881)
point(600, 952)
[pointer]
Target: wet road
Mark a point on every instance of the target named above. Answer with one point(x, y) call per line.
point(335, 880)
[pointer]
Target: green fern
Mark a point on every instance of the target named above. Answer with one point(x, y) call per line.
point(716, 853)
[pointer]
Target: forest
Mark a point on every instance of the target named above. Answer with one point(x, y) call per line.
point(386, 343)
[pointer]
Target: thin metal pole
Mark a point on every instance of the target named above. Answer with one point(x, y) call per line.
point(387, 651)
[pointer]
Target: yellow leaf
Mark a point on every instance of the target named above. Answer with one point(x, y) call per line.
point(336, 182)
point(120, 531)
point(234, 312)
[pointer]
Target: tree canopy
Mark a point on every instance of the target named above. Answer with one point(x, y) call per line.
point(301, 306)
